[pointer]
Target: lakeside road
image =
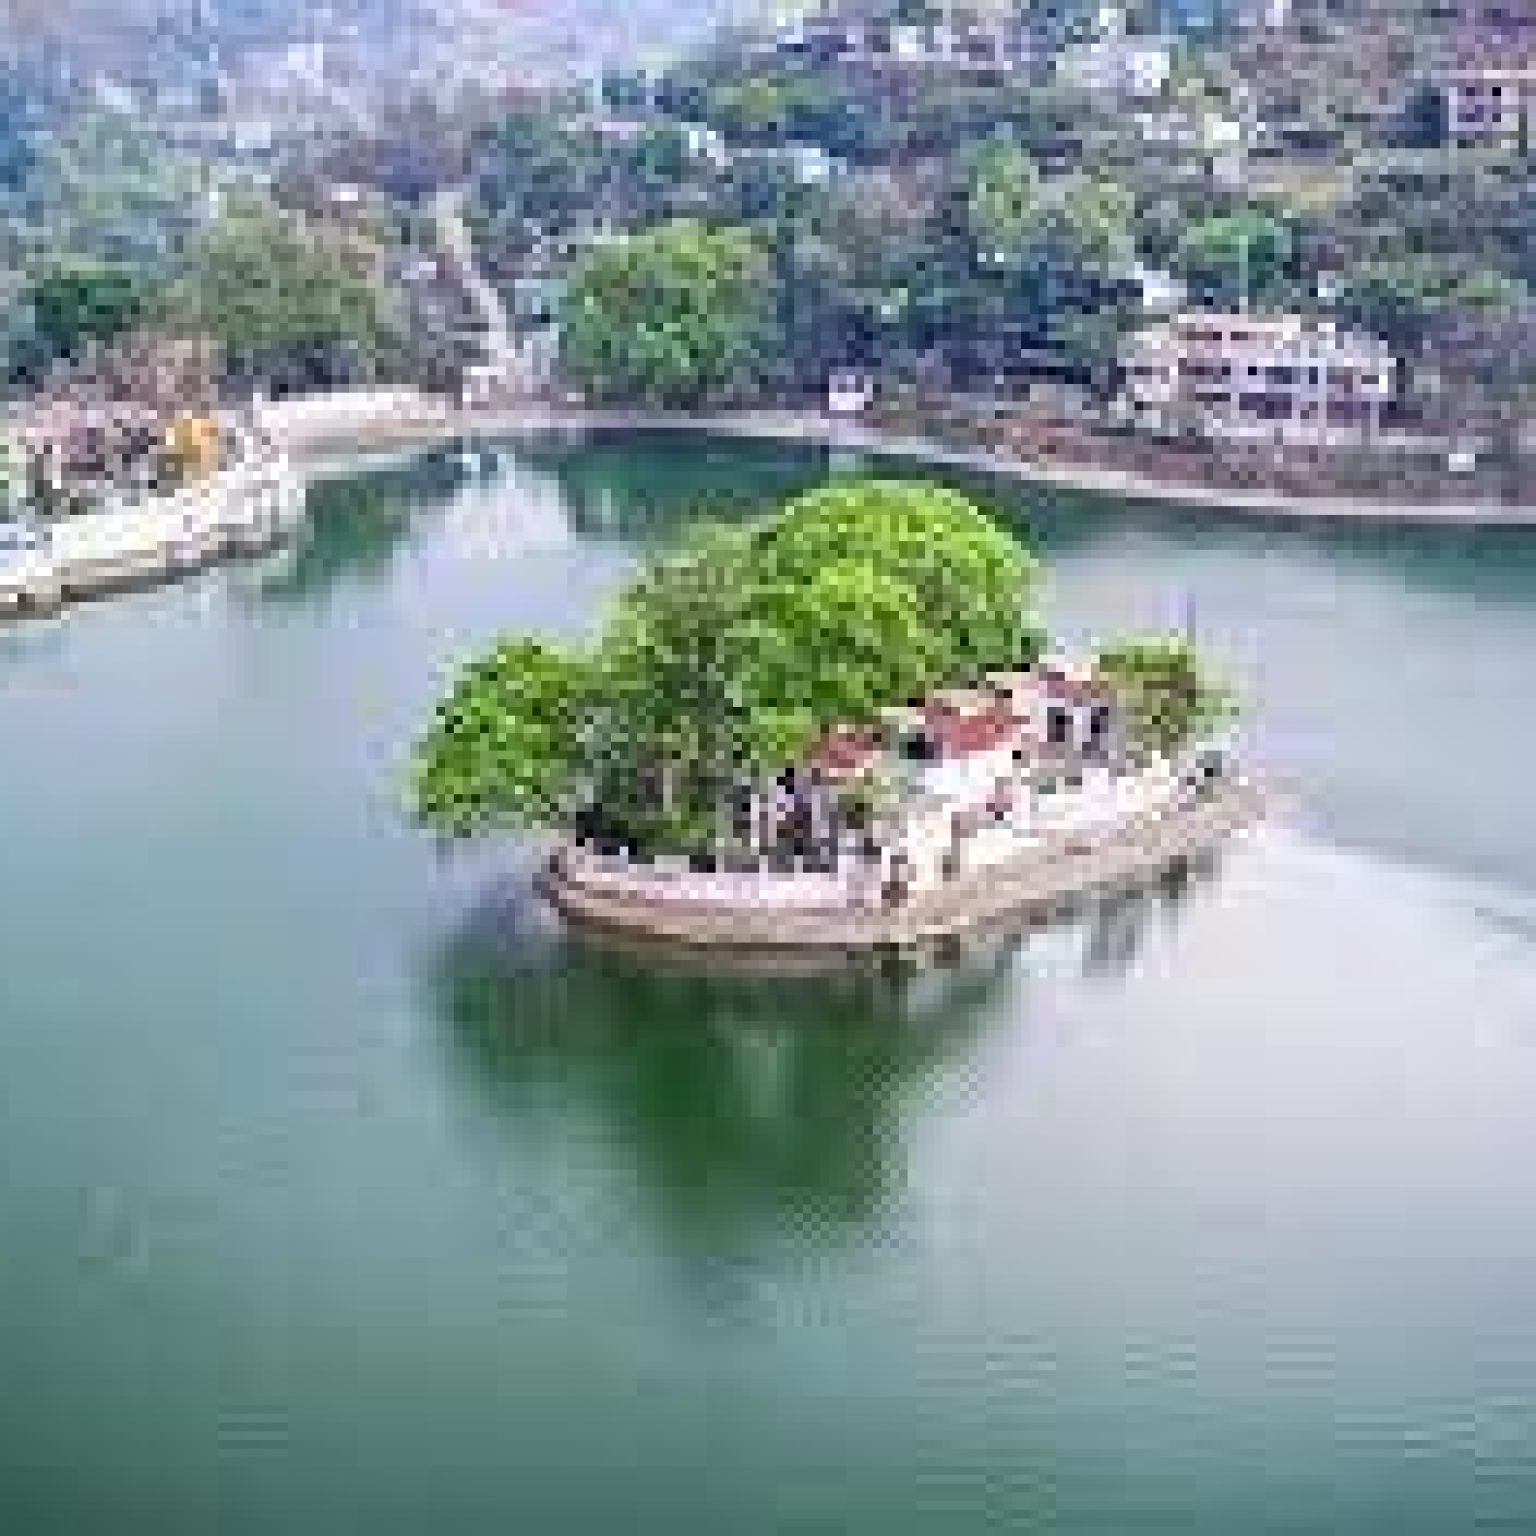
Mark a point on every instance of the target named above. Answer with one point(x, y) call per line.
point(536, 421)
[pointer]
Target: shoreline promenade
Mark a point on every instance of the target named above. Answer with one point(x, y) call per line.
point(245, 509)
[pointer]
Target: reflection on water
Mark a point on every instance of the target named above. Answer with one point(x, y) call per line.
point(1206, 1213)
point(643, 492)
point(353, 528)
point(756, 1108)
point(760, 1106)
point(1117, 926)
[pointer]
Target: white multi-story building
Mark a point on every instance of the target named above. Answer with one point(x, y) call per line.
point(959, 38)
point(1278, 376)
point(1489, 106)
point(1136, 67)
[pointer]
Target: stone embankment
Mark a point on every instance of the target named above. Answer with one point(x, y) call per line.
point(246, 509)
point(1039, 882)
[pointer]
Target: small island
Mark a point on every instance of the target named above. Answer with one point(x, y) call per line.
point(841, 727)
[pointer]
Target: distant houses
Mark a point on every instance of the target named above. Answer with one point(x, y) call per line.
point(1116, 66)
point(959, 40)
point(1488, 105)
point(1282, 377)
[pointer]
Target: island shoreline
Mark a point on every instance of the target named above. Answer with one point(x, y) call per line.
point(1038, 884)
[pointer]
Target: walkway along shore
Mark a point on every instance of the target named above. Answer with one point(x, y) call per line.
point(245, 509)
point(389, 439)
point(1034, 886)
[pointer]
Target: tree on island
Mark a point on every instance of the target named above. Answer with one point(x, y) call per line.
point(724, 661)
point(1168, 697)
point(680, 317)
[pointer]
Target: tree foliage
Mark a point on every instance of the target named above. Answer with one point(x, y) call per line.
point(1169, 699)
point(504, 745)
point(286, 296)
point(724, 659)
point(1002, 197)
point(681, 316)
point(1232, 258)
point(1087, 225)
point(969, 576)
point(1411, 300)
point(77, 302)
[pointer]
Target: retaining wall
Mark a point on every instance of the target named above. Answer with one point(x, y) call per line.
point(1058, 872)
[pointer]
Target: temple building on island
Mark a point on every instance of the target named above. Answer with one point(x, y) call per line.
point(1026, 764)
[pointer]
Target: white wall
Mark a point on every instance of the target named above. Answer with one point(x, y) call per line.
point(665, 881)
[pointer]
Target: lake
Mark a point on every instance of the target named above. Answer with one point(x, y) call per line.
point(341, 1190)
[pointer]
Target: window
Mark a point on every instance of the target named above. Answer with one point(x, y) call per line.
point(1057, 726)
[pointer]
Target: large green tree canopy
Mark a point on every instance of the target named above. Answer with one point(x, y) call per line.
point(280, 292)
point(726, 658)
point(681, 316)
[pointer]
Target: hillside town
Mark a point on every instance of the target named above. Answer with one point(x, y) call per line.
point(1212, 242)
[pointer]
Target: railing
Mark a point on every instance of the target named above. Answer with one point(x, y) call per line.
point(1052, 871)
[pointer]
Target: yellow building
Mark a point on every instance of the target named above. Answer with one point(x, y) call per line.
point(193, 442)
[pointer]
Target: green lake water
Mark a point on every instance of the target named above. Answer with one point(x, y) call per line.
point(340, 1191)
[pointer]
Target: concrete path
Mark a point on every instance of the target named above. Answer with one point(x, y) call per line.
point(459, 247)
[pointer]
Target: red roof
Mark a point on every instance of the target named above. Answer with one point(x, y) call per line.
point(844, 752)
point(957, 735)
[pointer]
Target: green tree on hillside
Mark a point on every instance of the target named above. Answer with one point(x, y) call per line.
point(1002, 201)
point(1087, 225)
point(1234, 258)
point(74, 303)
point(1411, 300)
point(287, 298)
point(680, 317)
